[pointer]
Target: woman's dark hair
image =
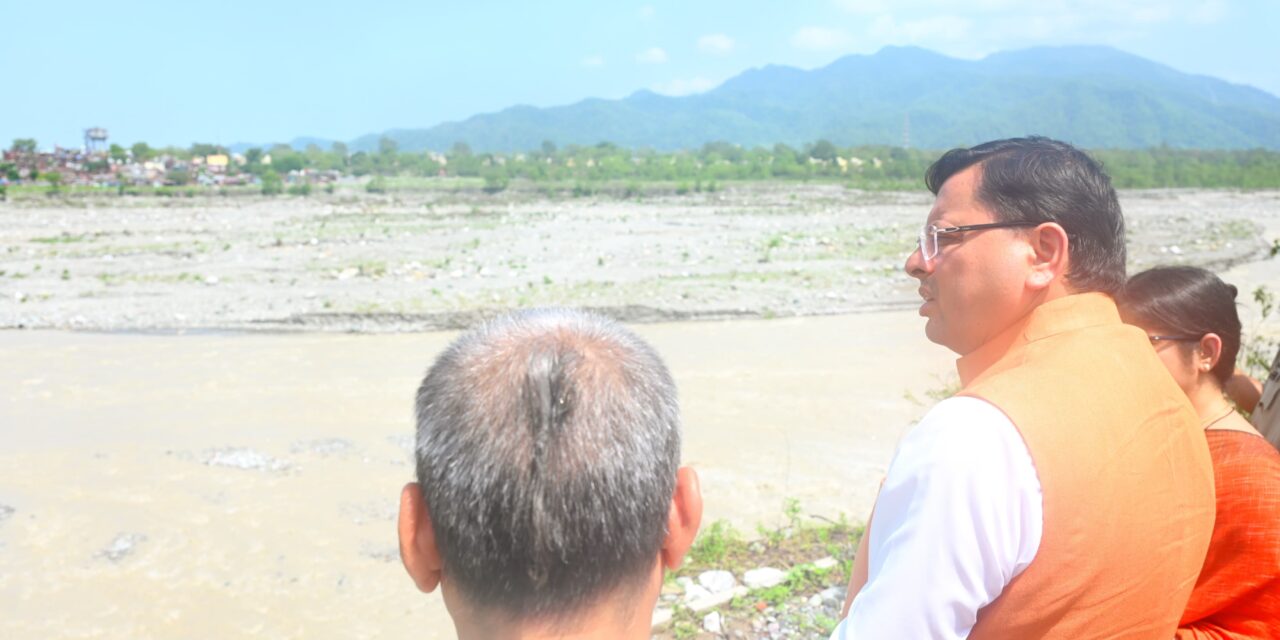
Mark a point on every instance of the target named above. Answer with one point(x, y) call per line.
point(1185, 301)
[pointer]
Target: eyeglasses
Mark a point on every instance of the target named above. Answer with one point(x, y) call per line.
point(1155, 339)
point(928, 240)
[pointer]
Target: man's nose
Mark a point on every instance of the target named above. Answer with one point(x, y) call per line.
point(916, 266)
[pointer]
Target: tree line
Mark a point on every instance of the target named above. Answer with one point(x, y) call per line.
point(866, 166)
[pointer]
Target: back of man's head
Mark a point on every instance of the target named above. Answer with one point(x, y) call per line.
point(547, 448)
point(1037, 179)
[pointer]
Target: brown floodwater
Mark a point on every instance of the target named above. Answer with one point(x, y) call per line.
point(215, 486)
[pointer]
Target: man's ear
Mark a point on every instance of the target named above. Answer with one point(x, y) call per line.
point(683, 519)
point(1050, 255)
point(418, 549)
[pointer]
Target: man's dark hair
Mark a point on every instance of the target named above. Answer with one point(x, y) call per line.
point(547, 448)
point(1036, 179)
point(1185, 301)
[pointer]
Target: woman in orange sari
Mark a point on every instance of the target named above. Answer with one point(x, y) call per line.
point(1190, 316)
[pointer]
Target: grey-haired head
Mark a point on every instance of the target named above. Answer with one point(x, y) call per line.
point(547, 450)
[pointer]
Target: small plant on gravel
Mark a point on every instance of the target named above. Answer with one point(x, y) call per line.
point(1256, 352)
point(791, 509)
point(684, 623)
point(1265, 299)
point(714, 543)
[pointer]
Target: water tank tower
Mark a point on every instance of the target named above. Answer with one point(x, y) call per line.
point(95, 140)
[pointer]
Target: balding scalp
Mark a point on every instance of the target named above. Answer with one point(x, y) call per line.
point(547, 447)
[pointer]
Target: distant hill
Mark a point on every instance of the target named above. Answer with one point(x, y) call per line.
point(1096, 97)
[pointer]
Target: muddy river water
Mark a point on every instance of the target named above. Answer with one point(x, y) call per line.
point(225, 485)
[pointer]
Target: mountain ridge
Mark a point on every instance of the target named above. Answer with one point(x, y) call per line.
point(1092, 96)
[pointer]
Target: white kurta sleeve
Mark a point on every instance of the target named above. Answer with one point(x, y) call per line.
point(959, 516)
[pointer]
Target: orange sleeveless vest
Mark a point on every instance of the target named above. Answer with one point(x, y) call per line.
point(1124, 468)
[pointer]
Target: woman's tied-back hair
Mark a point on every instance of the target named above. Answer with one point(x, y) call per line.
point(1038, 180)
point(547, 448)
point(1185, 301)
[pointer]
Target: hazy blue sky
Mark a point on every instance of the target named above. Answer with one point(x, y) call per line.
point(233, 71)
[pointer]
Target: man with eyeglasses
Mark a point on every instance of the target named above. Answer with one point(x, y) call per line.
point(1066, 491)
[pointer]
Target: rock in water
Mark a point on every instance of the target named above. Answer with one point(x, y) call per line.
point(244, 459)
point(324, 447)
point(122, 546)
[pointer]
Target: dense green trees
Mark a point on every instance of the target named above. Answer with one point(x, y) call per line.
point(866, 166)
point(141, 152)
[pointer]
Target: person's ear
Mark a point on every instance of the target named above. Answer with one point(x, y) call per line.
point(1210, 351)
point(683, 519)
point(418, 549)
point(1050, 255)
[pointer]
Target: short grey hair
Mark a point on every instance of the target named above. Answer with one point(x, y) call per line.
point(547, 448)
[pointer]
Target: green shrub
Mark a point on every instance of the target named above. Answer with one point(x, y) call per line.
point(496, 183)
point(272, 185)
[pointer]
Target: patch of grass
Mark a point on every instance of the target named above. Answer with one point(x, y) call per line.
point(715, 543)
point(372, 269)
point(804, 578)
point(947, 387)
point(684, 623)
point(791, 547)
point(63, 238)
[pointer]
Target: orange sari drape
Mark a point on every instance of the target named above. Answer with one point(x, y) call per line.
point(1238, 593)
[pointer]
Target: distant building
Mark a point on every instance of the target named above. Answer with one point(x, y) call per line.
point(217, 163)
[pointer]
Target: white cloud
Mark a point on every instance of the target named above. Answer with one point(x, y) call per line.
point(715, 44)
point(685, 86)
point(820, 39)
point(646, 12)
point(593, 61)
point(652, 55)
